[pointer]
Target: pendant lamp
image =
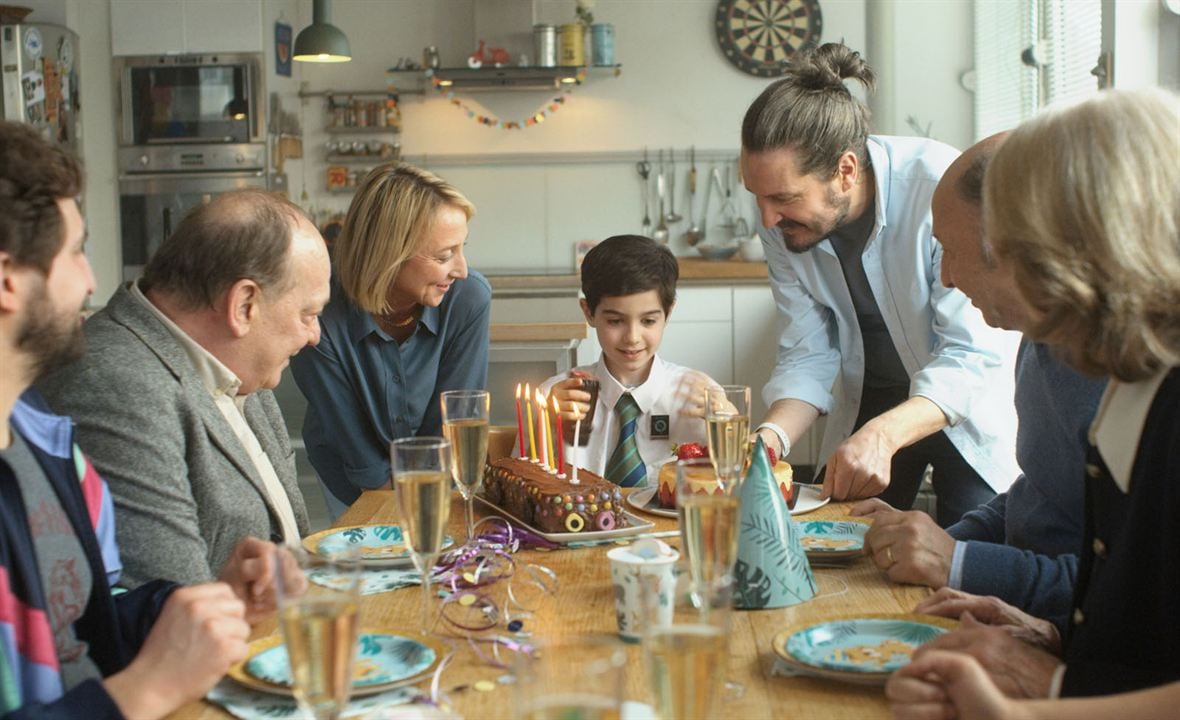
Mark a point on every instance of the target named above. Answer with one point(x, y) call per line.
point(322, 41)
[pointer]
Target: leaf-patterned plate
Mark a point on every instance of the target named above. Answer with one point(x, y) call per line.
point(383, 661)
point(826, 540)
point(378, 544)
point(863, 649)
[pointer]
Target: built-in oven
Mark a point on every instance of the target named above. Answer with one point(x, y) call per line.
point(189, 127)
point(153, 199)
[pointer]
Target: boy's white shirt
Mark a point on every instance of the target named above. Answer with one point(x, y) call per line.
point(665, 392)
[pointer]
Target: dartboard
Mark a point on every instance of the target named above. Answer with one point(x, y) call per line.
point(760, 36)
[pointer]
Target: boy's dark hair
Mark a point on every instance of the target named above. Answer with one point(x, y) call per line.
point(34, 175)
point(628, 265)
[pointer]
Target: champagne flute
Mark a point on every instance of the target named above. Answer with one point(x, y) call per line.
point(422, 479)
point(465, 415)
point(727, 419)
point(571, 678)
point(684, 654)
point(319, 612)
point(708, 509)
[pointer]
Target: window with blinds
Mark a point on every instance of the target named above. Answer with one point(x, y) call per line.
point(1030, 53)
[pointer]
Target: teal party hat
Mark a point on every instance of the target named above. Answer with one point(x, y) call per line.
point(772, 569)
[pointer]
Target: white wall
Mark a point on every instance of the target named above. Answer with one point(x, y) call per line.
point(919, 50)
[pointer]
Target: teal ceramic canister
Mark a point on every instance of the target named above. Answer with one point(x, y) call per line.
point(602, 42)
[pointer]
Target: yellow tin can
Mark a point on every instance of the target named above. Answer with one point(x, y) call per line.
point(573, 44)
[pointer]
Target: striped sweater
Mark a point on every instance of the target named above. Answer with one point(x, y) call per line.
point(114, 628)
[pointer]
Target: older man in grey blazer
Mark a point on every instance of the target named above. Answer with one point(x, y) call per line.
point(173, 401)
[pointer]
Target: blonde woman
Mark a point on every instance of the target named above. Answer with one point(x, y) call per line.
point(1083, 204)
point(406, 321)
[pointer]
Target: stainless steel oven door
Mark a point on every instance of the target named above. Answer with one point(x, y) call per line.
point(151, 205)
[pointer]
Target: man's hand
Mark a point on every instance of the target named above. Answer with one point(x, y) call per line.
point(860, 466)
point(200, 632)
point(1018, 669)
point(909, 546)
point(249, 572)
point(946, 685)
point(568, 392)
point(994, 611)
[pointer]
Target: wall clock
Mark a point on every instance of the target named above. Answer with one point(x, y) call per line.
point(761, 36)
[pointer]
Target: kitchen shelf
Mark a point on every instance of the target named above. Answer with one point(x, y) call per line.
point(513, 78)
point(366, 130)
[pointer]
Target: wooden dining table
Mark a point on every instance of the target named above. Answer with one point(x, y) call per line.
point(583, 604)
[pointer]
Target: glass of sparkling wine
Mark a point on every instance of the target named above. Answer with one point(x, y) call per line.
point(465, 415)
point(708, 509)
point(422, 481)
point(686, 659)
point(319, 612)
point(571, 678)
point(727, 419)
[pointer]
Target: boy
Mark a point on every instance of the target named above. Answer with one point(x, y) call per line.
point(645, 404)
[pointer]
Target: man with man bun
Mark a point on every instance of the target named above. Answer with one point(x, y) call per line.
point(906, 369)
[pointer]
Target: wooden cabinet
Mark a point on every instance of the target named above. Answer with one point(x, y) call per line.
point(160, 27)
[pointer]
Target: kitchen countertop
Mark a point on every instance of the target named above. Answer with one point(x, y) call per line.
point(530, 332)
point(693, 271)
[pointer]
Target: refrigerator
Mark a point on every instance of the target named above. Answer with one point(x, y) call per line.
point(39, 72)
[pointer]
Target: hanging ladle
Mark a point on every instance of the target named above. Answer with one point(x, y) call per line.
point(660, 234)
point(672, 217)
point(695, 233)
point(644, 169)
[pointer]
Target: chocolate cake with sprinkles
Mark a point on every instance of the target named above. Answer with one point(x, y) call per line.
point(551, 503)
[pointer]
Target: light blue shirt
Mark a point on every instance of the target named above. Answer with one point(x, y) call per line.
point(953, 358)
point(364, 389)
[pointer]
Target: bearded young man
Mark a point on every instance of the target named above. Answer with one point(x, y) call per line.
point(907, 371)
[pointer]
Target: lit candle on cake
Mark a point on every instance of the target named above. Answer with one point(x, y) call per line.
point(532, 435)
point(519, 422)
point(542, 421)
point(560, 438)
point(574, 449)
point(551, 457)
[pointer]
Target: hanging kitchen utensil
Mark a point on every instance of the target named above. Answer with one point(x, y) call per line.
point(741, 229)
point(727, 214)
point(660, 234)
point(672, 217)
point(643, 167)
point(695, 233)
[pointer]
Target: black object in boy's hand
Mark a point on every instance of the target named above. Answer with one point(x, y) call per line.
point(590, 385)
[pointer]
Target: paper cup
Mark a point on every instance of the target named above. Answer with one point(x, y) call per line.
point(643, 575)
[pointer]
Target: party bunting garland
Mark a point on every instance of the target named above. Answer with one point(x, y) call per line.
point(535, 119)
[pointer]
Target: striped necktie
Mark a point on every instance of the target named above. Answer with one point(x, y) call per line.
point(626, 467)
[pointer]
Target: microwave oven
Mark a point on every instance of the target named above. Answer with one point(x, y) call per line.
point(210, 98)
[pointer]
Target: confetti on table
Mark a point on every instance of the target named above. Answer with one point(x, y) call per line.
point(485, 686)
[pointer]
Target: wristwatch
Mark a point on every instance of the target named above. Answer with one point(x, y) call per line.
point(784, 441)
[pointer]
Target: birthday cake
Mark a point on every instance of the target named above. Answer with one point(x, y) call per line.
point(551, 503)
point(666, 493)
